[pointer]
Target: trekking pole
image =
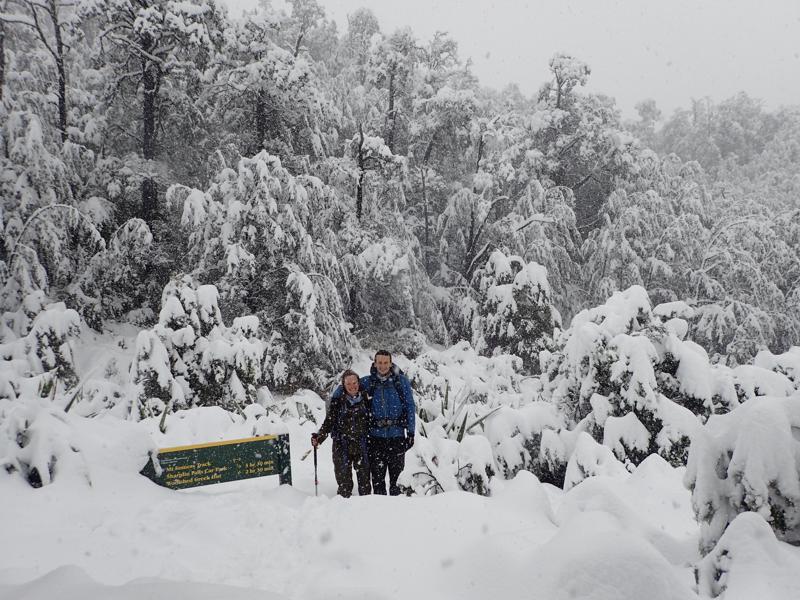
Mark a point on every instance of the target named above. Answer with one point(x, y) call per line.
point(316, 479)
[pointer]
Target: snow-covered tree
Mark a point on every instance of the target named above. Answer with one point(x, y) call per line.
point(264, 95)
point(567, 138)
point(515, 315)
point(440, 127)
point(737, 128)
point(748, 460)
point(391, 65)
point(117, 281)
point(370, 155)
point(38, 208)
point(54, 24)
point(251, 234)
point(191, 358)
point(153, 50)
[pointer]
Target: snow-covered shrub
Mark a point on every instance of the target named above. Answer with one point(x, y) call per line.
point(41, 359)
point(605, 372)
point(787, 364)
point(118, 279)
point(429, 467)
point(438, 465)
point(47, 240)
point(516, 434)
point(475, 465)
point(566, 457)
point(555, 449)
point(590, 459)
point(390, 285)
point(210, 423)
point(37, 441)
point(457, 390)
point(44, 441)
point(48, 342)
point(488, 379)
point(303, 406)
point(687, 376)
point(749, 562)
point(620, 384)
point(516, 315)
point(748, 460)
point(100, 395)
point(462, 396)
point(459, 308)
point(190, 358)
point(750, 381)
point(734, 331)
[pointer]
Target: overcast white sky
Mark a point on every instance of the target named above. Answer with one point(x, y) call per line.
point(669, 50)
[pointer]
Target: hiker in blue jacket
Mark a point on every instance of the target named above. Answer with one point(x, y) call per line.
point(392, 423)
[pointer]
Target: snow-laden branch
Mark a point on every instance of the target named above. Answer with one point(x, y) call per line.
point(35, 215)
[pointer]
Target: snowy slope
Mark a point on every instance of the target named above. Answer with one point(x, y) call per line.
point(624, 538)
point(100, 530)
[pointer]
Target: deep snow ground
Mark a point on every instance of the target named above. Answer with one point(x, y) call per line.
point(606, 538)
point(103, 531)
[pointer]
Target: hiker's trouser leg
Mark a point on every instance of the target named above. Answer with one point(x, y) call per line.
point(360, 459)
point(396, 460)
point(342, 468)
point(386, 454)
point(377, 464)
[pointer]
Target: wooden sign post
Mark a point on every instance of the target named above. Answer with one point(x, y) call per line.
point(219, 462)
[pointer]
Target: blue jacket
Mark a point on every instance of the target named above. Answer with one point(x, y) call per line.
point(392, 401)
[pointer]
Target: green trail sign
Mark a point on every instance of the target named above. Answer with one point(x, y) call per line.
point(218, 462)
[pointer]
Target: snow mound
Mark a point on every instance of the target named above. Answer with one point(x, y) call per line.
point(73, 583)
point(592, 557)
point(749, 562)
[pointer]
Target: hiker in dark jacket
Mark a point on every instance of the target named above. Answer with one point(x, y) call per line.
point(392, 426)
point(347, 422)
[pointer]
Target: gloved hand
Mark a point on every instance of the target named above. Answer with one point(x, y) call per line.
point(315, 440)
point(409, 442)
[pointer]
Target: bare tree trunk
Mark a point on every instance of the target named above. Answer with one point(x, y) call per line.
point(151, 79)
point(261, 122)
point(56, 49)
point(360, 187)
point(390, 116)
point(2, 58)
point(425, 204)
point(480, 156)
point(299, 41)
point(470, 245)
point(558, 92)
point(62, 71)
point(423, 174)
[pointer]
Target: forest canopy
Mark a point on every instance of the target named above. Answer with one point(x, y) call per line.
point(363, 185)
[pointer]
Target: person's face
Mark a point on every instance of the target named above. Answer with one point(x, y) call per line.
point(383, 364)
point(351, 385)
